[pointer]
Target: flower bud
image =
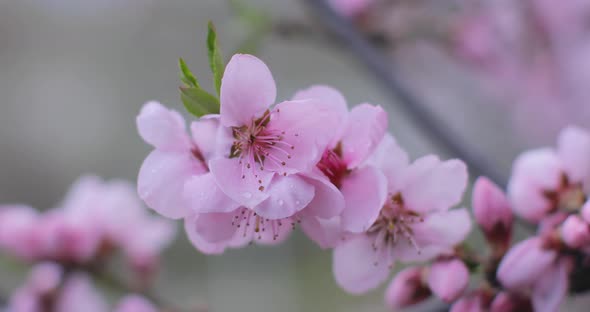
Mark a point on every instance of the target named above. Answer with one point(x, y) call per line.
point(525, 263)
point(586, 212)
point(575, 232)
point(448, 279)
point(493, 213)
point(407, 288)
point(508, 302)
point(475, 302)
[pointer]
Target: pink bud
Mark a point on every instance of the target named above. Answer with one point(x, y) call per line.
point(575, 232)
point(507, 302)
point(474, 302)
point(525, 263)
point(492, 212)
point(448, 279)
point(45, 277)
point(135, 303)
point(586, 212)
point(407, 288)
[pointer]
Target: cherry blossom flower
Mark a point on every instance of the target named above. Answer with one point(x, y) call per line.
point(448, 278)
point(493, 213)
point(414, 224)
point(547, 180)
point(407, 288)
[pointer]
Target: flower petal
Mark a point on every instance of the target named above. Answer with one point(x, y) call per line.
point(328, 201)
point(79, 294)
point(216, 227)
point(242, 187)
point(438, 233)
point(324, 232)
point(247, 90)
point(162, 128)
point(366, 126)
point(391, 159)
point(288, 195)
point(203, 195)
point(573, 148)
point(365, 191)
point(432, 185)
point(552, 287)
point(357, 267)
point(306, 125)
point(204, 133)
point(448, 279)
point(198, 241)
point(161, 181)
point(525, 263)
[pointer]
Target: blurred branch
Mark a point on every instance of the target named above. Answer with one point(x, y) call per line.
point(385, 72)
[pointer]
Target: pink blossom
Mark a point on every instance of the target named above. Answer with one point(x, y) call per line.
point(78, 293)
point(547, 180)
point(448, 279)
point(477, 301)
point(509, 302)
point(262, 149)
point(176, 157)
point(492, 212)
point(414, 224)
point(345, 162)
point(18, 231)
point(586, 212)
point(408, 287)
point(135, 303)
point(575, 232)
point(43, 279)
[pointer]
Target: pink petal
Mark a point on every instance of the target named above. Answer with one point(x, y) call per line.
point(161, 181)
point(328, 96)
point(246, 191)
point(391, 159)
point(198, 241)
point(552, 287)
point(135, 303)
point(247, 90)
point(328, 201)
point(324, 232)
point(79, 294)
point(204, 133)
point(438, 233)
point(288, 195)
point(215, 227)
point(203, 195)
point(357, 267)
point(162, 128)
point(533, 173)
point(490, 205)
point(448, 279)
point(574, 151)
point(366, 126)
point(525, 263)
point(365, 191)
point(307, 125)
point(432, 185)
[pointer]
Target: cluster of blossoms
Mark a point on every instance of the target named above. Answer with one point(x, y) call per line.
point(254, 171)
point(96, 221)
point(534, 52)
point(548, 187)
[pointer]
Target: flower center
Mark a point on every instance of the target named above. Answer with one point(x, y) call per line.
point(253, 225)
point(333, 166)
point(568, 196)
point(393, 224)
point(259, 148)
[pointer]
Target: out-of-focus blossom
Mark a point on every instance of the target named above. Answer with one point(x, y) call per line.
point(408, 287)
point(492, 213)
point(575, 232)
point(414, 224)
point(44, 279)
point(477, 301)
point(95, 219)
point(448, 278)
point(510, 302)
point(547, 180)
point(135, 303)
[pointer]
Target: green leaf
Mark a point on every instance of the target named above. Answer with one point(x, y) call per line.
point(186, 75)
point(215, 59)
point(198, 101)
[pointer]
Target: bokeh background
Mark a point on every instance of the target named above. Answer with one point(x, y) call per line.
point(74, 74)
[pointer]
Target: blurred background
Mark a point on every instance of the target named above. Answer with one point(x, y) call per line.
point(74, 74)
